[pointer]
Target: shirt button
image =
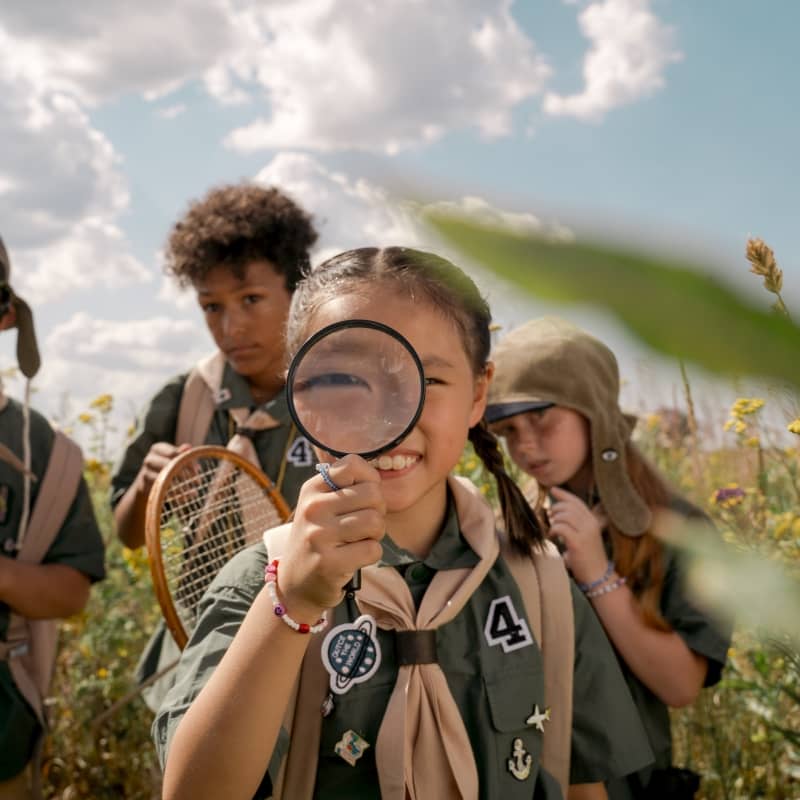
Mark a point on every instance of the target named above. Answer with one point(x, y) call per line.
point(418, 572)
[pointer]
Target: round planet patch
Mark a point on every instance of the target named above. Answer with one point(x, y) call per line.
point(351, 653)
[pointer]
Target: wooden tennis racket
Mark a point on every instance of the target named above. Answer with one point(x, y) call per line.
point(205, 506)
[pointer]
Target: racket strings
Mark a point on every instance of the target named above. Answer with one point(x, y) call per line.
point(211, 511)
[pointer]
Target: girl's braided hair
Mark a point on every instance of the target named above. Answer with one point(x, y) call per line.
point(430, 278)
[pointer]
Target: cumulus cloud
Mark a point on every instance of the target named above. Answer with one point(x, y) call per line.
point(96, 50)
point(380, 76)
point(413, 70)
point(348, 212)
point(61, 191)
point(630, 50)
point(354, 212)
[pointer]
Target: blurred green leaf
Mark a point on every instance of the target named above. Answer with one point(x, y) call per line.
point(675, 308)
point(740, 586)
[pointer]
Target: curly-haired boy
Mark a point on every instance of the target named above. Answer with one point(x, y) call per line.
point(242, 248)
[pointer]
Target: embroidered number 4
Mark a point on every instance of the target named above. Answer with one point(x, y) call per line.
point(505, 627)
point(300, 453)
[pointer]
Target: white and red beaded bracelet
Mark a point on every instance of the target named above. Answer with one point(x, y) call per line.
point(271, 581)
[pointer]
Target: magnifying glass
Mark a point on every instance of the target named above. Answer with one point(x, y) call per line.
point(356, 386)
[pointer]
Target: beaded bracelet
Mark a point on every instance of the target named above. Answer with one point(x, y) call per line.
point(271, 581)
point(609, 587)
point(587, 587)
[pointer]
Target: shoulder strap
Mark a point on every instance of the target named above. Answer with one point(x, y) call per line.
point(56, 493)
point(553, 622)
point(303, 719)
point(33, 643)
point(198, 400)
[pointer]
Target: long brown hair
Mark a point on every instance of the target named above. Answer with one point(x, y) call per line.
point(422, 277)
point(640, 559)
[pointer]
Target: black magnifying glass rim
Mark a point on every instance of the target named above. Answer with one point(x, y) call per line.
point(326, 331)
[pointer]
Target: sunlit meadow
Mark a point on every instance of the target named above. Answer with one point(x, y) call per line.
point(742, 735)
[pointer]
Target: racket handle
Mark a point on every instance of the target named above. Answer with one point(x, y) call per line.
point(354, 584)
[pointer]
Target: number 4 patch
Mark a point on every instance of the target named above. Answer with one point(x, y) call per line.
point(300, 453)
point(505, 627)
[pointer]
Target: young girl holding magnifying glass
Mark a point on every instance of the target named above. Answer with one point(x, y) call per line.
point(447, 696)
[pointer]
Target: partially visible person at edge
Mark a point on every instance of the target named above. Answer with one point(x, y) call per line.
point(555, 402)
point(53, 587)
point(462, 702)
point(242, 249)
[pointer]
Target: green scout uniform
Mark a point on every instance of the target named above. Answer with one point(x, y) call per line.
point(494, 691)
point(285, 456)
point(79, 544)
point(701, 635)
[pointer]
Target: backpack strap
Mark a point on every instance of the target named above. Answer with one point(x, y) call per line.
point(302, 720)
point(544, 585)
point(31, 644)
point(198, 400)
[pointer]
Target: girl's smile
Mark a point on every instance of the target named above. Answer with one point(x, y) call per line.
point(413, 475)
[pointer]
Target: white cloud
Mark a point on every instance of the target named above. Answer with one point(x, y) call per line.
point(347, 212)
point(130, 345)
point(630, 50)
point(518, 221)
point(380, 76)
point(96, 50)
point(353, 212)
point(62, 189)
point(171, 112)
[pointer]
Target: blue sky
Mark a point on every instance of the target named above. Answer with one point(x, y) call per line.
point(668, 122)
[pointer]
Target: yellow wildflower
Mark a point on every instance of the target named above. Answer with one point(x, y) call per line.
point(753, 441)
point(85, 417)
point(102, 673)
point(745, 406)
point(794, 426)
point(103, 403)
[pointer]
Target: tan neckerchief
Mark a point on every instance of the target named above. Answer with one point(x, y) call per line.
point(423, 749)
point(212, 369)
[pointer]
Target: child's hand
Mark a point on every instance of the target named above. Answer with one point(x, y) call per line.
point(333, 535)
point(581, 530)
point(158, 456)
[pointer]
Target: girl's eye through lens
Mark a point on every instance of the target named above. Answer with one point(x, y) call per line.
point(331, 380)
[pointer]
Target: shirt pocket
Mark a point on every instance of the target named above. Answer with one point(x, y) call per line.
point(513, 698)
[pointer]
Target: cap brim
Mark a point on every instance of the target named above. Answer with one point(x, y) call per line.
point(498, 411)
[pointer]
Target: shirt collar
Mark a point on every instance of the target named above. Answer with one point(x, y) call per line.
point(235, 393)
point(450, 550)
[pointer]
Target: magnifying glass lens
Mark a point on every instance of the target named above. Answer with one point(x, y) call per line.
point(356, 387)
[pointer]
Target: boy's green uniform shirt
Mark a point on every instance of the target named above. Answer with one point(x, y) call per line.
point(495, 691)
point(284, 454)
point(79, 544)
point(161, 417)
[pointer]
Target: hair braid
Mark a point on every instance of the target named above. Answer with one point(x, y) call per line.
point(524, 531)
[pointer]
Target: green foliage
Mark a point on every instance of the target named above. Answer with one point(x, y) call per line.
point(673, 307)
point(94, 750)
point(743, 735)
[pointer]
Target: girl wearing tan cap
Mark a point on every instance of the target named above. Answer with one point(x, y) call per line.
point(554, 400)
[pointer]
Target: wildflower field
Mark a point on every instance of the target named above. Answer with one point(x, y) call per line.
point(742, 736)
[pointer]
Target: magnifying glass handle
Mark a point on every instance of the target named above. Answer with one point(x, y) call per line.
point(354, 584)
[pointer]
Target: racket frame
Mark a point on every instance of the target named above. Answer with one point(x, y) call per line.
point(155, 503)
